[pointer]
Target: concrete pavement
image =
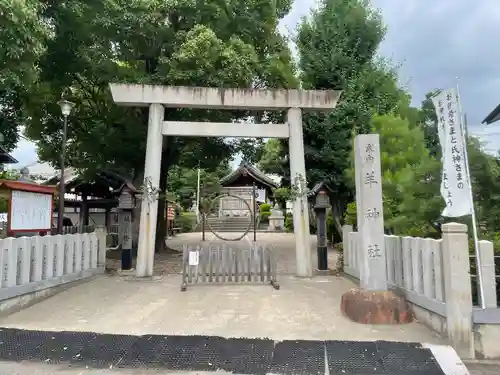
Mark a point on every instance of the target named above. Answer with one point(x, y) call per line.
point(303, 309)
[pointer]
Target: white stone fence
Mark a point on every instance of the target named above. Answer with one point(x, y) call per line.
point(32, 264)
point(434, 276)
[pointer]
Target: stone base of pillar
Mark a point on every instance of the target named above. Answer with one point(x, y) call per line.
point(130, 272)
point(368, 307)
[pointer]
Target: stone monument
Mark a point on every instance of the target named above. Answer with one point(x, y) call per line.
point(372, 303)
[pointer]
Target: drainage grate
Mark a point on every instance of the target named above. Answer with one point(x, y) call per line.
point(191, 353)
point(211, 353)
point(353, 358)
point(104, 350)
point(245, 356)
point(144, 352)
point(22, 345)
point(64, 346)
point(407, 359)
point(299, 357)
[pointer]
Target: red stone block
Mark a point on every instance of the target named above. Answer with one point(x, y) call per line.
point(368, 307)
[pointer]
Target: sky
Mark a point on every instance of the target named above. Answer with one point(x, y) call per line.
point(434, 41)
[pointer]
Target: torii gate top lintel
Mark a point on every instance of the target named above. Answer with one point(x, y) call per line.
point(224, 98)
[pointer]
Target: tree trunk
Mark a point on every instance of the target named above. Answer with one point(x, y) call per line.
point(336, 220)
point(161, 222)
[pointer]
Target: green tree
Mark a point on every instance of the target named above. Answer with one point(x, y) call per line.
point(484, 171)
point(182, 182)
point(173, 42)
point(337, 46)
point(271, 158)
point(485, 177)
point(412, 203)
point(428, 122)
point(22, 39)
point(7, 175)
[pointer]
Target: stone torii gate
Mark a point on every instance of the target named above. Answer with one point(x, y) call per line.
point(158, 97)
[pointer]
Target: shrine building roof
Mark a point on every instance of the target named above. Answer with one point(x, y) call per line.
point(246, 168)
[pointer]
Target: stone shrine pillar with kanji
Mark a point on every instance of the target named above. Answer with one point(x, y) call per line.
point(372, 303)
point(373, 272)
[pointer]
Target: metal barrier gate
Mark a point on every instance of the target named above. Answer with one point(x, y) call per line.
point(225, 265)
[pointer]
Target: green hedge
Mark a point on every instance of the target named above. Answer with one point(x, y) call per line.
point(265, 207)
point(289, 222)
point(264, 216)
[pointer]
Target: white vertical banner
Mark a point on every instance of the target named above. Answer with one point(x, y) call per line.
point(455, 181)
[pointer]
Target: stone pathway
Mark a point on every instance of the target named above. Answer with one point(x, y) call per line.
point(305, 309)
point(283, 243)
point(302, 309)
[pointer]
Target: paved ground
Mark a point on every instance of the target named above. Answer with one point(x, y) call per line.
point(283, 243)
point(484, 369)
point(302, 309)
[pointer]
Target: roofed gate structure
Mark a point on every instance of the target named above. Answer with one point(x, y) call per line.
point(241, 183)
point(158, 97)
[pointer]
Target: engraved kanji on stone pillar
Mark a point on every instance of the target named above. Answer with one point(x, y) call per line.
point(373, 271)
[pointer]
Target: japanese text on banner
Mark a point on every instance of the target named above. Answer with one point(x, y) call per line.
point(454, 180)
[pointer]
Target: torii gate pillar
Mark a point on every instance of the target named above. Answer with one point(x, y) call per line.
point(158, 97)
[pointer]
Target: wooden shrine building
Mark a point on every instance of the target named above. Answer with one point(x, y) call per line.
point(240, 183)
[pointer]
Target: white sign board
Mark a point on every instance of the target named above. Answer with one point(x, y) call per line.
point(260, 195)
point(30, 211)
point(194, 258)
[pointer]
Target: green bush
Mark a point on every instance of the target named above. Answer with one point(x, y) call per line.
point(186, 221)
point(264, 217)
point(265, 207)
point(351, 216)
point(339, 248)
point(289, 223)
point(330, 227)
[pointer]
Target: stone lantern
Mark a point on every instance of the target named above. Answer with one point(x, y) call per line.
point(126, 203)
point(321, 193)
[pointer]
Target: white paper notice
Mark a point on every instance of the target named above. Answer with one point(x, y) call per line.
point(194, 258)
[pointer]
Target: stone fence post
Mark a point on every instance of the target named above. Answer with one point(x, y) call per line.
point(346, 251)
point(487, 254)
point(101, 243)
point(458, 290)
